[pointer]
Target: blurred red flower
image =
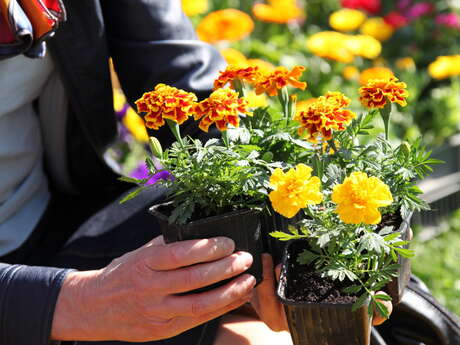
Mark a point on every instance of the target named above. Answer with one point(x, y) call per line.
point(370, 6)
point(395, 19)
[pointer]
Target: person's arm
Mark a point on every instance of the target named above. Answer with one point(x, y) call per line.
point(27, 299)
point(154, 42)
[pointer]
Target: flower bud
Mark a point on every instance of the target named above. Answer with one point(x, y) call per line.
point(155, 147)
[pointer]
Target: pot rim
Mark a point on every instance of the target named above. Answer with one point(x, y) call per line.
point(154, 210)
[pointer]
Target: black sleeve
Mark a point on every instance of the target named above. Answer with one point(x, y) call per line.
point(27, 300)
point(151, 42)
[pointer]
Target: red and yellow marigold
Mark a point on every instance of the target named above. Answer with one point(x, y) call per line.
point(375, 73)
point(166, 102)
point(324, 115)
point(245, 74)
point(294, 190)
point(359, 197)
point(222, 107)
point(280, 77)
point(377, 92)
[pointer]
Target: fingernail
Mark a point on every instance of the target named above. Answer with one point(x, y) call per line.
point(226, 243)
point(247, 257)
point(250, 281)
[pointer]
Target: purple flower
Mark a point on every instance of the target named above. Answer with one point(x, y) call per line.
point(451, 20)
point(419, 9)
point(142, 172)
point(122, 112)
point(403, 5)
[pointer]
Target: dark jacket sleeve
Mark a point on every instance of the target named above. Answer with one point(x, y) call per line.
point(151, 42)
point(27, 300)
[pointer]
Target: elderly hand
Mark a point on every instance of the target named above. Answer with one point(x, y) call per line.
point(138, 298)
point(271, 311)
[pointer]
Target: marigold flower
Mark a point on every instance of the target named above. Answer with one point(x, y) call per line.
point(445, 67)
point(234, 57)
point(363, 45)
point(375, 73)
point(330, 45)
point(294, 190)
point(377, 91)
point(346, 19)
point(194, 7)
point(225, 25)
point(231, 73)
point(376, 27)
point(324, 115)
point(279, 78)
point(254, 100)
point(359, 197)
point(136, 125)
point(406, 63)
point(350, 73)
point(222, 107)
point(166, 102)
point(278, 11)
point(263, 66)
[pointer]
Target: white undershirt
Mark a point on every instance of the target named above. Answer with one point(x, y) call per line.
point(24, 192)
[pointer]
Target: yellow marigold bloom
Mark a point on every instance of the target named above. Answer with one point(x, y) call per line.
point(234, 57)
point(135, 125)
point(278, 11)
point(166, 102)
point(377, 28)
point(256, 101)
point(303, 105)
point(225, 25)
point(323, 116)
point(263, 66)
point(375, 73)
point(294, 190)
point(363, 45)
point(330, 45)
point(359, 197)
point(445, 67)
point(406, 63)
point(194, 7)
point(231, 73)
point(279, 78)
point(222, 107)
point(346, 19)
point(350, 73)
point(377, 91)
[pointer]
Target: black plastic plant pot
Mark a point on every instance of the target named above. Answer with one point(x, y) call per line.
point(242, 226)
point(322, 323)
point(397, 286)
point(273, 221)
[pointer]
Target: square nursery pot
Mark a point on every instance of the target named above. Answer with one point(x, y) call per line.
point(242, 226)
point(321, 323)
point(273, 221)
point(396, 287)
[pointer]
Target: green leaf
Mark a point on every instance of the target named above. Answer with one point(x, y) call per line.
point(383, 297)
point(354, 289)
point(132, 194)
point(306, 257)
point(360, 301)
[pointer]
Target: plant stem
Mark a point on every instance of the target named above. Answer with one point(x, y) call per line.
point(174, 127)
point(385, 112)
point(283, 97)
point(225, 139)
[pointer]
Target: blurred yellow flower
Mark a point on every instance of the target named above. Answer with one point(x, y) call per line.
point(254, 100)
point(136, 126)
point(294, 190)
point(363, 45)
point(194, 7)
point(278, 11)
point(119, 100)
point(350, 73)
point(222, 108)
point(377, 92)
point(330, 45)
point(263, 66)
point(445, 67)
point(377, 28)
point(279, 78)
point(225, 25)
point(234, 57)
point(346, 19)
point(166, 102)
point(375, 73)
point(406, 63)
point(359, 197)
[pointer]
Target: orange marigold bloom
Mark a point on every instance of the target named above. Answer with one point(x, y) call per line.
point(377, 91)
point(375, 73)
point(248, 74)
point(222, 107)
point(225, 25)
point(324, 115)
point(166, 102)
point(278, 11)
point(279, 78)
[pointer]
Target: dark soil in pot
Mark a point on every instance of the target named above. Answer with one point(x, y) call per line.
point(242, 226)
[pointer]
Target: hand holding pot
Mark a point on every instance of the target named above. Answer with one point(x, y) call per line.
point(135, 298)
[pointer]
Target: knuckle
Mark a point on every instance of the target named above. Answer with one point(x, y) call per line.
point(175, 253)
point(197, 308)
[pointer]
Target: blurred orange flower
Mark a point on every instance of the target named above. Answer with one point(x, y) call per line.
point(234, 57)
point(264, 66)
point(225, 25)
point(350, 73)
point(330, 45)
point(248, 74)
point(279, 78)
point(194, 7)
point(222, 107)
point(278, 11)
point(375, 73)
point(324, 115)
point(166, 102)
point(377, 91)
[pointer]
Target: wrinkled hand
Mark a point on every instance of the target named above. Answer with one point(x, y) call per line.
point(135, 298)
point(271, 311)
